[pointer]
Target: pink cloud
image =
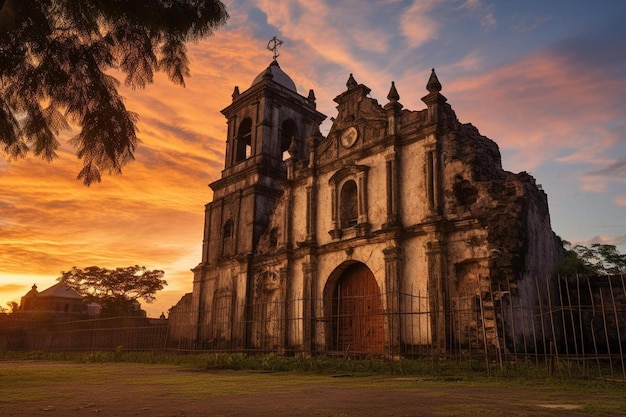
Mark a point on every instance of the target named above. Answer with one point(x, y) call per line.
point(417, 25)
point(546, 109)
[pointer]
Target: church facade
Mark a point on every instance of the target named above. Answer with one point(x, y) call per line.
point(386, 234)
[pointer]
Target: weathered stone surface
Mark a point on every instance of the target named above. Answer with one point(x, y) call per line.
point(417, 198)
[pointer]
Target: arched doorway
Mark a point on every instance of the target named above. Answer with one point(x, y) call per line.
point(357, 312)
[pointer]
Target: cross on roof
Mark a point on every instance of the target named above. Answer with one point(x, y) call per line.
point(273, 45)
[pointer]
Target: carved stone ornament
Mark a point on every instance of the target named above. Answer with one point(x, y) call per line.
point(267, 281)
point(349, 137)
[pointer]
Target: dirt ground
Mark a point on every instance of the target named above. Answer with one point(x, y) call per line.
point(37, 388)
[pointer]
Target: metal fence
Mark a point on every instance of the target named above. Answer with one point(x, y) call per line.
point(119, 333)
point(578, 329)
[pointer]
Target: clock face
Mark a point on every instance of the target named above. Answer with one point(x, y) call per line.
point(349, 137)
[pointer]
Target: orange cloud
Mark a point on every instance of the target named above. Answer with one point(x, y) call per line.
point(150, 215)
point(153, 214)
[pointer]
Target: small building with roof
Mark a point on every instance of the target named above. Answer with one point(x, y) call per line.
point(58, 299)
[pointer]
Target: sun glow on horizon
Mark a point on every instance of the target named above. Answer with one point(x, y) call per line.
point(526, 78)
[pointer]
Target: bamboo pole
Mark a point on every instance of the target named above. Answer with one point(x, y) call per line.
point(606, 334)
point(619, 336)
point(543, 330)
point(580, 320)
point(495, 328)
point(554, 344)
point(482, 321)
point(565, 332)
point(571, 314)
point(512, 315)
point(593, 333)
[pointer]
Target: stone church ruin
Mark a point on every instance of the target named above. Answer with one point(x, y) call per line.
point(398, 230)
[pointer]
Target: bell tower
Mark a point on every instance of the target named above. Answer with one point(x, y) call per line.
point(267, 124)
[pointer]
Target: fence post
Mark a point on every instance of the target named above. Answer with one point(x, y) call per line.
point(543, 330)
point(554, 346)
point(619, 336)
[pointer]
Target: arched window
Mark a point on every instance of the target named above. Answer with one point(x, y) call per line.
point(227, 238)
point(222, 318)
point(227, 230)
point(243, 143)
point(349, 202)
point(289, 131)
point(348, 209)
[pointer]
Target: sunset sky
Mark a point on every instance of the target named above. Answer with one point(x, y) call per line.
point(545, 79)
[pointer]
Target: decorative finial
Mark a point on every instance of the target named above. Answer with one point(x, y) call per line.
point(273, 46)
point(433, 85)
point(393, 95)
point(351, 83)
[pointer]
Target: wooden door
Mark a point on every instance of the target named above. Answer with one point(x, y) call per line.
point(357, 319)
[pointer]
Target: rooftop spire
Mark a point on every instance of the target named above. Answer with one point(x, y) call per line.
point(351, 83)
point(433, 85)
point(393, 95)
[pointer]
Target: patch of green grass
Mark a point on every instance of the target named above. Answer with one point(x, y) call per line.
point(205, 376)
point(443, 369)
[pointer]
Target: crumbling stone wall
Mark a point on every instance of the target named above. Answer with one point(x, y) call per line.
point(518, 247)
point(434, 217)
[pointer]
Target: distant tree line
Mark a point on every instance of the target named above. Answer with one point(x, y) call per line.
point(596, 259)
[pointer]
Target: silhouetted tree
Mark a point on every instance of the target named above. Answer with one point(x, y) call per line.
point(13, 307)
point(55, 56)
point(602, 258)
point(115, 290)
point(597, 259)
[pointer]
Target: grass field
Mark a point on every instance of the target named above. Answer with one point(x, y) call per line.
point(194, 387)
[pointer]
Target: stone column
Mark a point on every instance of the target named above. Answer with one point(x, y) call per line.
point(246, 280)
point(392, 191)
point(231, 138)
point(311, 215)
point(198, 315)
point(437, 293)
point(362, 196)
point(393, 285)
point(363, 226)
point(335, 233)
point(206, 242)
point(274, 139)
point(433, 179)
point(284, 310)
point(309, 300)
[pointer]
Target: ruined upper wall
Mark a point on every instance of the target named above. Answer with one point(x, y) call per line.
point(511, 207)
